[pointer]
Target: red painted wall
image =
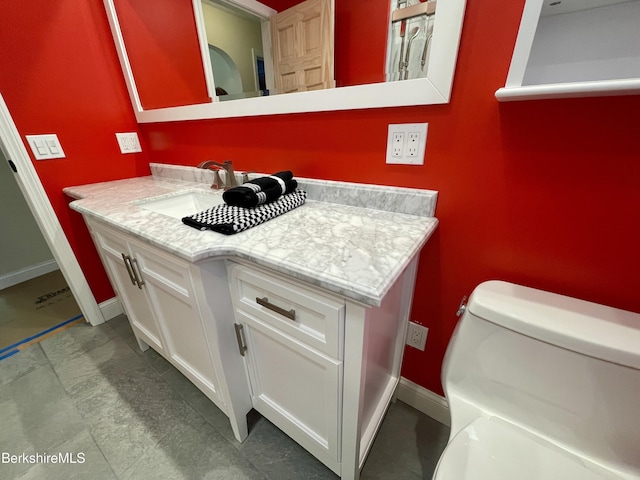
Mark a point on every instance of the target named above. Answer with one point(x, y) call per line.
point(162, 46)
point(59, 73)
point(543, 193)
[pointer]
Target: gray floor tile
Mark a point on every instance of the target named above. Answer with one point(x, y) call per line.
point(82, 459)
point(136, 417)
point(193, 450)
point(411, 439)
point(380, 466)
point(20, 364)
point(75, 341)
point(280, 458)
point(36, 415)
point(205, 407)
point(98, 363)
point(129, 410)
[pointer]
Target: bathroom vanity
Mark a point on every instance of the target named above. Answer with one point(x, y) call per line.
point(302, 318)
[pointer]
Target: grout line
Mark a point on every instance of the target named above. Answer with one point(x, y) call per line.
point(22, 344)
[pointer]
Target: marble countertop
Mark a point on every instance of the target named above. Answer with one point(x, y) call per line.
point(353, 251)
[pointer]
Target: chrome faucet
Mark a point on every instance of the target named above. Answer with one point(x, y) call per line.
point(227, 166)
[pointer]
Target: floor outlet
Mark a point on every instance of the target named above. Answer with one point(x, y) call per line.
point(417, 336)
point(406, 143)
point(128, 142)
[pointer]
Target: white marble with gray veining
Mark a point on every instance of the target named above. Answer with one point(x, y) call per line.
point(353, 251)
point(380, 197)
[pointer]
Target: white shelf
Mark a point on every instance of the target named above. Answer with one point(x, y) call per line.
point(575, 48)
point(602, 88)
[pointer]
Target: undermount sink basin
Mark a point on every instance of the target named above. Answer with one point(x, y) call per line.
point(181, 205)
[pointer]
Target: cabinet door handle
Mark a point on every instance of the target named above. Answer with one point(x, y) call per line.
point(127, 264)
point(239, 337)
point(264, 301)
point(137, 274)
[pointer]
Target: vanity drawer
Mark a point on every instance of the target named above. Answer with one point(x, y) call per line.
point(295, 309)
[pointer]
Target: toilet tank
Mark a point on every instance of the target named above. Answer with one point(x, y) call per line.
point(565, 369)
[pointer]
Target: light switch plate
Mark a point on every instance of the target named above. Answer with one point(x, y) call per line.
point(45, 147)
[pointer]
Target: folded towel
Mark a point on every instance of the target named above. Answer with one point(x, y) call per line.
point(230, 219)
point(261, 190)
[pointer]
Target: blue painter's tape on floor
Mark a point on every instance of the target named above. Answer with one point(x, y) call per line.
point(7, 355)
point(4, 355)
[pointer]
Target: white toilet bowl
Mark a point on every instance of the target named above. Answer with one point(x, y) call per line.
point(542, 387)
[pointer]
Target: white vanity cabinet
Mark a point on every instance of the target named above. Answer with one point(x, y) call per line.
point(158, 293)
point(312, 339)
point(321, 367)
point(291, 338)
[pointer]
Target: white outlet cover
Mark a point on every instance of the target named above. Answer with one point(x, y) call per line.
point(406, 129)
point(128, 142)
point(417, 336)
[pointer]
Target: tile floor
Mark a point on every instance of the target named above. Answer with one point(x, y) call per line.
point(90, 390)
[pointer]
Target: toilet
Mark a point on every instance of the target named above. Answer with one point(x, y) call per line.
point(541, 387)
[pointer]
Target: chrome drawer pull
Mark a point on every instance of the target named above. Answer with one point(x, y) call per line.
point(240, 338)
point(264, 301)
point(127, 263)
point(137, 274)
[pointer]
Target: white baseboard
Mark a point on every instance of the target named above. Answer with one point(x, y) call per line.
point(423, 400)
point(111, 308)
point(32, 271)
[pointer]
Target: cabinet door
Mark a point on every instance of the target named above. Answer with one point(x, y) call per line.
point(168, 283)
point(133, 298)
point(296, 387)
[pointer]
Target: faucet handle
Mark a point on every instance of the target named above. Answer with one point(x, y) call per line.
point(245, 176)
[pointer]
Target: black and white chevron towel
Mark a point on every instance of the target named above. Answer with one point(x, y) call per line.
point(261, 190)
point(229, 219)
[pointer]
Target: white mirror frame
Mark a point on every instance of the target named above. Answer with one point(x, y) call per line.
point(514, 90)
point(434, 89)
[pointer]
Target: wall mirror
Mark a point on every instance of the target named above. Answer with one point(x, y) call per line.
point(575, 48)
point(364, 58)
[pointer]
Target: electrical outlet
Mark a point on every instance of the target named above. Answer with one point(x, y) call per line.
point(413, 144)
point(397, 149)
point(406, 143)
point(417, 336)
point(128, 142)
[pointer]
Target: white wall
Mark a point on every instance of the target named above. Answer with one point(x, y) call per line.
point(22, 246)
point(596, 44)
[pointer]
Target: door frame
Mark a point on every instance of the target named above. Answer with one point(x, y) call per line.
point(40, 206)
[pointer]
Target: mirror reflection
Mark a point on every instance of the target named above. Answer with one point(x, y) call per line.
point(272, 53)
point(234, 40)
point(385, 53)
point(274, 47)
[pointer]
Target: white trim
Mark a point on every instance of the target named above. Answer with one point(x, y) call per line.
point(601, 88)
point(27, 273)
point(423, 400)
point(38, 202)
point(203, 42)
point(111, 308)
point(433, 90)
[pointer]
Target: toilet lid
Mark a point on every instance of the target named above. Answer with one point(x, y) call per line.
point(493, 449)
